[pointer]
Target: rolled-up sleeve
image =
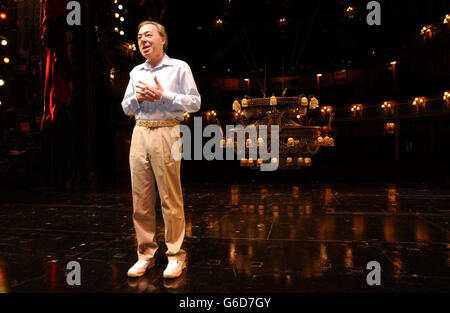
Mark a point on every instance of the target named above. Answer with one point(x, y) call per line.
point(188, 99)
point(130, 103)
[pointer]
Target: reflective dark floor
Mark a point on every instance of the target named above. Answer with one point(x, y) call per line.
point(239, 238)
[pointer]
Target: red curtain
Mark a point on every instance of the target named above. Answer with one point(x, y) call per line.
point(57, 84)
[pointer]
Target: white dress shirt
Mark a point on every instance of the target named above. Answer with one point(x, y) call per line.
point(180, 91)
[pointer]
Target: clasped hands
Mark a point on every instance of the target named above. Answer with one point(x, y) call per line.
point(145, 92)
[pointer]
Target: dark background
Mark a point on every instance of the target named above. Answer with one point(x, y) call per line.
point(90, 145)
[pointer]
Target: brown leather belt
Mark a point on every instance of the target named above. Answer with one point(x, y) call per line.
point(160, 123)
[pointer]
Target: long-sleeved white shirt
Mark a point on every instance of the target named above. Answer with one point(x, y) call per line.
point(180, 91)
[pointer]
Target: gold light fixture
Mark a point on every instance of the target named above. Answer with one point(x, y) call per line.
point(112, 73)
point(236, 106)
point(273, 100)
point(426, 29)
point(299, 141)
point(260, 142)
point(446, 96)
point(291, 142)
point(418, 101)
point(186, 117)
point(386, 106)
point(328, 141)
point(326, 109)
point(356, 108)
point(447, 19)
point(320, 140)
point(350, 12)
point(131, 47)
point(390, 127)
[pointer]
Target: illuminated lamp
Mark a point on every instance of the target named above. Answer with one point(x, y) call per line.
point(314, 103)
point(307, 161)
point(290, 142)
point(236, 105)
point(260, 142)
point(273, 100)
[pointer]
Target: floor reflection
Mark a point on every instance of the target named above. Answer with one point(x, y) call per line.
point(253, 238)
point(3, 279)
point(142, 284)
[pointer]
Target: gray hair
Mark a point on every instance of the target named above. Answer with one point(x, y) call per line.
point(161, 30)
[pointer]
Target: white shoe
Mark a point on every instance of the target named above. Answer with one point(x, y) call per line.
point(139, 268)
point(174, 269)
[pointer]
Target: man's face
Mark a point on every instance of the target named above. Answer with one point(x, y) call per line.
point(151, 43)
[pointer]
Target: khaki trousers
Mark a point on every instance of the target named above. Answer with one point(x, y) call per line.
point(153, 167)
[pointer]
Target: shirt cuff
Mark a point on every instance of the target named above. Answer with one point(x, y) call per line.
point(167, 97)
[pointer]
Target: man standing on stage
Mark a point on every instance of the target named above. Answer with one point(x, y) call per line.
point(159, 92)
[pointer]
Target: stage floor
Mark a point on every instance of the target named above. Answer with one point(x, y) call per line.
point(239, 238)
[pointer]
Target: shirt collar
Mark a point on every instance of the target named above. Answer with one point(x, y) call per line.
point(166, 61)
